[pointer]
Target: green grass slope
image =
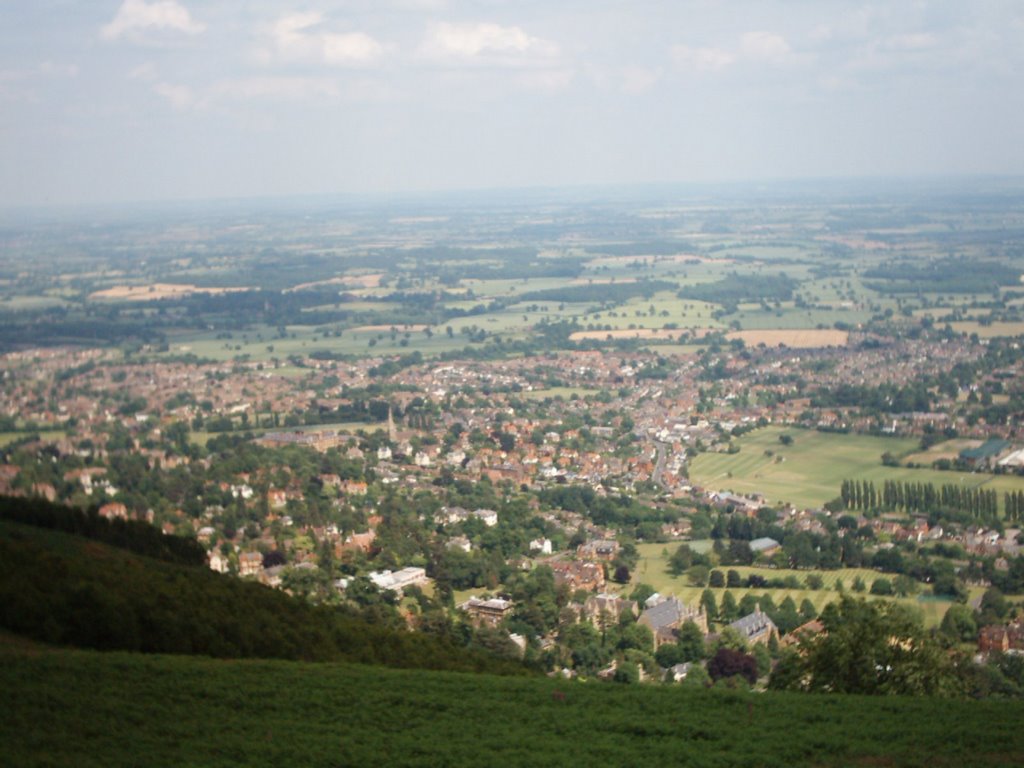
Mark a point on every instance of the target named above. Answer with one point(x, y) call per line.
point(65, 589)
point(82, 708)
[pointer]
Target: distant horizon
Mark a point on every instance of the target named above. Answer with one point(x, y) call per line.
point(918, 184)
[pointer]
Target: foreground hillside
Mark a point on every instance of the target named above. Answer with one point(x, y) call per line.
point(82, 708)
point(70, 590)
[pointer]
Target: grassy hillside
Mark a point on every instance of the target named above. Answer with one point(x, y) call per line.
point(65, 589)
point(79, 708)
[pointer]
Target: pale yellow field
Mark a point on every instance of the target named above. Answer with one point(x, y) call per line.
point(989, 331)
point(155, 291)
point(352, 281)
point(387, 328)
point(797, 339)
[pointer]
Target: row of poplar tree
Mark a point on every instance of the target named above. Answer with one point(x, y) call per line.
point(903, 496)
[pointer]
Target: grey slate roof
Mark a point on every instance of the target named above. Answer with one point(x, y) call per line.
point(753, 624)
point(664, 613)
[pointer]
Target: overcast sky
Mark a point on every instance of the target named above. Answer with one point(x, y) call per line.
point(111, 100)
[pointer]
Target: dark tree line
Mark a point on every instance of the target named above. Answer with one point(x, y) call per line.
point(134, 535)
point(905, 496)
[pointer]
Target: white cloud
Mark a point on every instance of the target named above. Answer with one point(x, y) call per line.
point(298, 37)
point(764, 46)
point(146, 72)
point(179, 96)
point(702, 59)
point(136, 16)
point(486, 43)
point(639, 79)
point(756, 47)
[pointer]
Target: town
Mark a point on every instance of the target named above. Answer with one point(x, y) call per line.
point(663, 499)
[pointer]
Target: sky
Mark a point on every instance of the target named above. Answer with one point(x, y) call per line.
point(148, 100)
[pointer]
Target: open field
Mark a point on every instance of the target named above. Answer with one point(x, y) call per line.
point(155, 291)
point(797, 339)
point(661, 334)
point(989, 330)
point(264, 343)
point(809, 472)
point(350, 281)
point(6, 438)
point(26, 303)
point(790, 317)
point(351, 427)
point(948, 449)
point(408, 328)
point(652, 569)
point(121, 709)
point(564, 393)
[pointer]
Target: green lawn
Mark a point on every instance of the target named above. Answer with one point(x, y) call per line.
point(6, 438)
point(809, 472)
point(652, 568)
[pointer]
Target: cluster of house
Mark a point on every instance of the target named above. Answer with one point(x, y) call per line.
point(1005, 638)
point(663, 615)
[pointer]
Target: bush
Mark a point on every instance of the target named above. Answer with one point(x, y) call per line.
point(881, 587)
point(728, 663)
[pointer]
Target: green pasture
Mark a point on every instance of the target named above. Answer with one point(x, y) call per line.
point(555, 393)
point(753, 317)
point(809, 472)
point(660, 310)
point(947, 449)
point(6, 438)
point(201, 437)
point(772, 252)
point(989, 330)
point(496, 289)
point(264, 344)
point(26, 302)
point(652, 568)
point(515, 321)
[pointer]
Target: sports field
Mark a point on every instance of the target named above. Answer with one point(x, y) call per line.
point(809, 472)
point(652, 568)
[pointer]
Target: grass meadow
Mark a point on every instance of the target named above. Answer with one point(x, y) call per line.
point(73, 708)
point(809, 472)
point(652, 568)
